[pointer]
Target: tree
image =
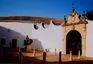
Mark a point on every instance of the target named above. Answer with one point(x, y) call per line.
point(89, 14)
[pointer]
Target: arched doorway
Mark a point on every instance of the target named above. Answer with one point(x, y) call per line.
point(73, 42)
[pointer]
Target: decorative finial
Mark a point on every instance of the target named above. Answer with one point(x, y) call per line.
point(83, 17)
point(64, 23)
point(64, 17)
point(73, 7)
point(83, 13)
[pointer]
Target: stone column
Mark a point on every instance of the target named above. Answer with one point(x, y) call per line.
point(78, 54)
point(34, 52)
point(70, 55)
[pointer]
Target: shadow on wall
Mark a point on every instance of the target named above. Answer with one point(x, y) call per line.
point(9, 34)
point(37, 44)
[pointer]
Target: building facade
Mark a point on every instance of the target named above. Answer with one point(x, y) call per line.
point(71, 34)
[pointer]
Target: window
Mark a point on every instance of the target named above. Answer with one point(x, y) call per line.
point(45, 25)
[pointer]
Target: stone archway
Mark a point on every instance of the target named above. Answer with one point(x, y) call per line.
point(73, 42)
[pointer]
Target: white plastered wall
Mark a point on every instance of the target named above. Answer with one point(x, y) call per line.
point(43, 38)
point(89, 39)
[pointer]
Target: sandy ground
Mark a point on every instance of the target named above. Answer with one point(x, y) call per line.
point(51, 58)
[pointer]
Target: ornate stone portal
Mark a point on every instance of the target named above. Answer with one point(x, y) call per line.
point(75, 24)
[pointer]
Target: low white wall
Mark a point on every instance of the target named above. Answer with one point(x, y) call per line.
point(89, 39)
point(43, 38)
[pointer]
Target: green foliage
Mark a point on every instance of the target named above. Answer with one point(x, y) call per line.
point(89, 14)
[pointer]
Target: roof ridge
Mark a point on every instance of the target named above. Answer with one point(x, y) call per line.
point(32, 18)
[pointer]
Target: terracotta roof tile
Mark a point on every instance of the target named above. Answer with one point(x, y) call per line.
point(30, 19)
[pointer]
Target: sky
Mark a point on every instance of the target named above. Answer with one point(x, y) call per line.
point(43, 8)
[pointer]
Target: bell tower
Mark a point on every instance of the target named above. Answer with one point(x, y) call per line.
point(74, 35)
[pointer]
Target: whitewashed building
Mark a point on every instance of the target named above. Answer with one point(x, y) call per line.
point(73, 33)
point(43, 31)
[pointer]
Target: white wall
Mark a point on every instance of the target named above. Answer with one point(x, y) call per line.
point(51, 37)
point(17, 31)
point(43, 38)
point(89, 39)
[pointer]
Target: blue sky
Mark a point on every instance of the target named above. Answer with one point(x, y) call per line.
point(43, 8)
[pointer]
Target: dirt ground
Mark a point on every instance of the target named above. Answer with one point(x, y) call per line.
point(13, 57)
